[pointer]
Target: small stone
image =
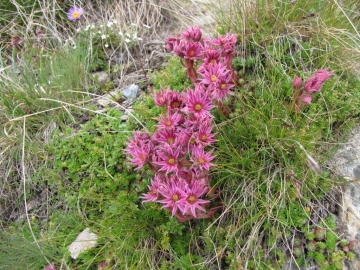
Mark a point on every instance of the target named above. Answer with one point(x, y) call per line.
point(131, 92)
point(124, 118)
point(85, 240)
point(102, 76)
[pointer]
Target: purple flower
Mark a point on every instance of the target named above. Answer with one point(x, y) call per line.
point(75, 13)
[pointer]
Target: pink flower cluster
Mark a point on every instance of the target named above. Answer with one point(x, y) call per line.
point(302, 93)
point(178, 152)
point(216, 55)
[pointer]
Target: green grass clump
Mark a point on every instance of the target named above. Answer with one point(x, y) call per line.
point(172, 75)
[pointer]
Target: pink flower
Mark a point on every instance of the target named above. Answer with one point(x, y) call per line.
point(180, 48)
point(153, 193)
point(175, 101)
point(306, 98)
point(167, 136)
point(198, 103)
point(168, 159)
point(222, 88)
point(315, 83)
point(192, 199)
point(226, 43)
point(212, 74)
point(50, 267)
point(139, 148)
point(192, 50)
point(193, 33)
point(171, 43)
point(75, 13)
point(160, 99)
point(204, 136)
point(171, 121)
point(202, 159)
point(211, 57)
point(140, 158)
point(173, 196)
point(297, 82)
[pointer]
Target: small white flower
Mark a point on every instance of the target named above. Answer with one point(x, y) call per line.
point(78, 30)
point(109, 24)
point(146, 26)
point(99, 32)
point(114, 21)
point(103, 36)
point(121, 33)
point(106, 45)
point(127, 34)
point(127, 40)
point(139, 38)
point(92, 26)
point(101, 26)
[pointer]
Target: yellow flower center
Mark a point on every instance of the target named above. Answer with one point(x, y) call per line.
point(170, 140)
point(171, 161)
point(76, 15)
point(223, 86)
point(191, 199)
point(203, 138)
point(201, 160)
point(198, 107)
point(175, 197)
point(175, 104)
point(168, 123)
point(191, 53)
point(142, 157)
point(192, 141)
point(213, 61)
point(213, 78)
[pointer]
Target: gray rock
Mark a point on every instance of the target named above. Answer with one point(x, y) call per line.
point(124, 117)
point(84, 241)
point(346, 162)
point(131, 92)
point(347, 159)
